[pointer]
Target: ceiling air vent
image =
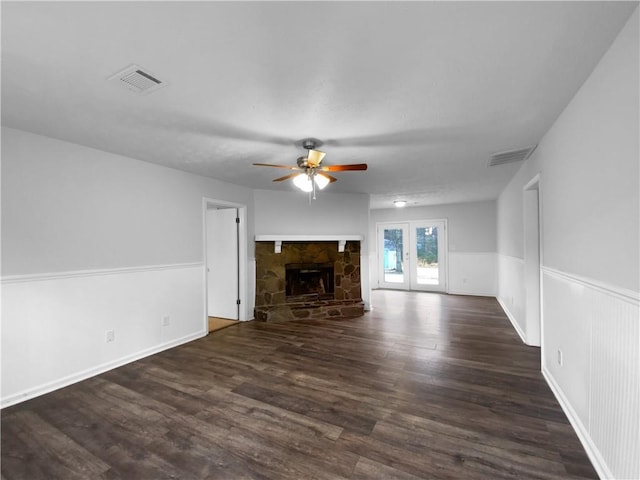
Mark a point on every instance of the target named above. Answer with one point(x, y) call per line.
point(511, 156)
point(138, 80)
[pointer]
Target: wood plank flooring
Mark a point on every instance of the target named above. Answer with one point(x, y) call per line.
point(424, 386)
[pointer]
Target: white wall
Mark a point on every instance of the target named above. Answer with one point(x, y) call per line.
point(290, 213)
point(92, 242)
point(281, 213)
point(73, 208)
point(589, 190)
point(471, 236)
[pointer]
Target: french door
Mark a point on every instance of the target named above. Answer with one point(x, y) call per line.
point(412, 255)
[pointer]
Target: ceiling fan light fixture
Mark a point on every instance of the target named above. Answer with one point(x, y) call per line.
point(321, 181)
point(400, 203)
point(303, 182)
point(315, 157)
point(313, 174)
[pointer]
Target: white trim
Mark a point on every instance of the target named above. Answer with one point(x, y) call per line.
point(627, 295)
point(92, 372)
point(583, 435)
point(532, 236)
point(471, 294)
point(511, 257)
point(534, 182)
point(308, 238)
point(455, 252)
point(35, 277)
point(512, 320)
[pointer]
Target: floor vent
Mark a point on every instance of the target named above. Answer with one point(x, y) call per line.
point(137, 80)
point(511, 156)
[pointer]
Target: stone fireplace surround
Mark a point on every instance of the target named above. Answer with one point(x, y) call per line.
point(272, 301)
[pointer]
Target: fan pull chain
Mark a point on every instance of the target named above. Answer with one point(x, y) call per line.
point(314, 185)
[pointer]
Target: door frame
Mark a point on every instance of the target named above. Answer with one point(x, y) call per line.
point(532, 222)
point(411, 224)
point(242, 257)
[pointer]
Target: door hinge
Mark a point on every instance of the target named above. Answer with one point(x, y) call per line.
point(238, 302)
point(237, 219)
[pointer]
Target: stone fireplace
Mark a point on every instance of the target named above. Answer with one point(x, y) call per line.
point(307, 279)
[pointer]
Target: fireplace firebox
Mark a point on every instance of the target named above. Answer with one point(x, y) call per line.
point(315, 279)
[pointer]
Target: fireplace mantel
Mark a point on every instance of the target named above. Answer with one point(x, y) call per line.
point(278, 239)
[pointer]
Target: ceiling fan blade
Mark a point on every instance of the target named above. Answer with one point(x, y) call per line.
point(288, 167)
point(286, 177)
point(315, 157)
point(344, 168)
point(331, 179)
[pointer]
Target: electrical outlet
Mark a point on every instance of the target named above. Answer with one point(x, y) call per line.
point(560, 359)
point(166, 321)
point(111, 336)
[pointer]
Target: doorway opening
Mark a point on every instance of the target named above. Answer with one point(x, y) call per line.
point(225, 255)
point(413, 255)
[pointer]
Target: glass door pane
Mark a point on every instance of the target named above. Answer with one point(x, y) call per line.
point(428, 256)
point(394, 248)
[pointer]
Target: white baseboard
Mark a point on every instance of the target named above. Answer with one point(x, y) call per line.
point(583, 435)
point(512, 320)
point(92, 372)
point(470, 293)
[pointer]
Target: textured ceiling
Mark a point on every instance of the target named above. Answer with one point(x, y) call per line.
point(424, 92)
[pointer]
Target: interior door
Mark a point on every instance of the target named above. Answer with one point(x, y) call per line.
point(394, 255)
point(412, 255)
point(222, 263)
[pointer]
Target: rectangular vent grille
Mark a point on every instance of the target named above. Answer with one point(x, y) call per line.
point(511, 156)
point(138, 80)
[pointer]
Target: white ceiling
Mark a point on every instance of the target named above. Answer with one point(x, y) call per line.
point(424, 92)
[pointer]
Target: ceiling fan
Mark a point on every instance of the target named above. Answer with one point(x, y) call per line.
point(309, 171)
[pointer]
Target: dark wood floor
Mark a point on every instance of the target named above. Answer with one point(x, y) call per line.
point(425, 386)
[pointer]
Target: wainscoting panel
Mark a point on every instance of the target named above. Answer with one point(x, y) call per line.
point(54, 326)
point(567, 333)
point(511, 293)
point(615, 380)
point(473, 273)
point(598, 384)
